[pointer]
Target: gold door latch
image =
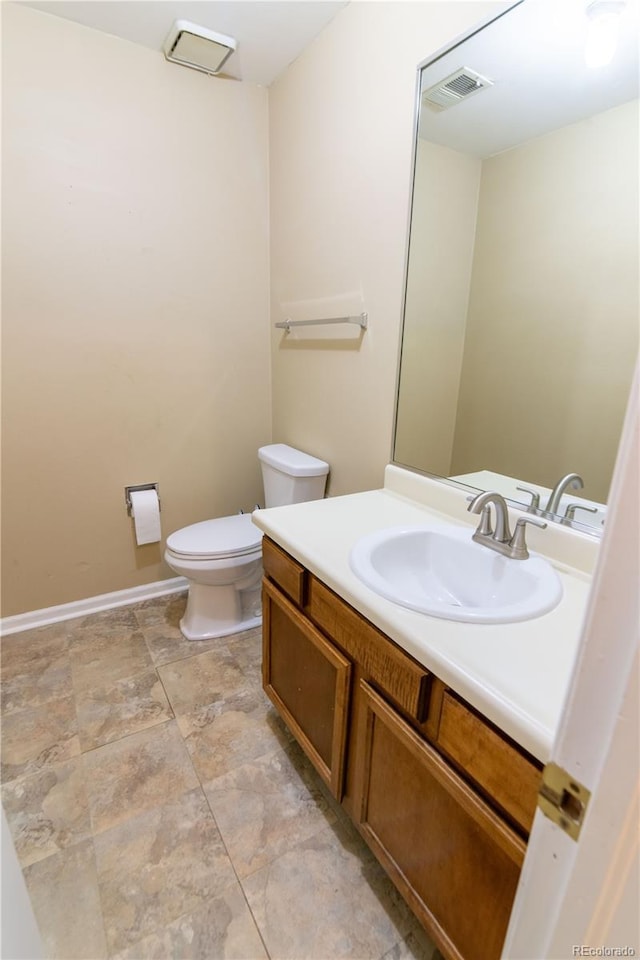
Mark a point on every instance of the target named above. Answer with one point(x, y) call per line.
point(563, 799)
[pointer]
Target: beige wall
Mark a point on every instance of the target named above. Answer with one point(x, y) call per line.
point(341, 129)
point(552, 333)
point(443, 227)
point(135, 303)
point(135, 279)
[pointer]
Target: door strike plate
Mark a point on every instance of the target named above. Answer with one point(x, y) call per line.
point(563, 800)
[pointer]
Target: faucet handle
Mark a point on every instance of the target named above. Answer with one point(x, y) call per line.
point(518, 544)
point(571, 510)
point(535, 499)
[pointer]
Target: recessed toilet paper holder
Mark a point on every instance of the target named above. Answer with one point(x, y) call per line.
point(140, 486)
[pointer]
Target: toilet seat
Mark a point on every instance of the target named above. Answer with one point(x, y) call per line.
point(234, 536)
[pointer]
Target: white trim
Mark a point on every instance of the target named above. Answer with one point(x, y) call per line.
point(82, 608)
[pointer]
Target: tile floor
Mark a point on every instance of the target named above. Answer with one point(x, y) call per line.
point(160, 808)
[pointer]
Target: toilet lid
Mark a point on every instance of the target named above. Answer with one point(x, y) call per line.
point(222, 537)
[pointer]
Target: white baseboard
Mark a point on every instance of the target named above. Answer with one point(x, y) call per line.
point(82, 608)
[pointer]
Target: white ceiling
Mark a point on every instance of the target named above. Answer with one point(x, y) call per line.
point(270, 33)
point(534, 53)
point(535, 56)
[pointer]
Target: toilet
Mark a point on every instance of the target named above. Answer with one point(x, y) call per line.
point(222, 558)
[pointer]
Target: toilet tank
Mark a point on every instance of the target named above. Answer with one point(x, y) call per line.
point(291, 476)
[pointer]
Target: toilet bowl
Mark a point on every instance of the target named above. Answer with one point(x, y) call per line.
point(222, 558)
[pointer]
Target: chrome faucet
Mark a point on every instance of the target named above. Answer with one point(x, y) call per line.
point(500, 539)
point(573, 481)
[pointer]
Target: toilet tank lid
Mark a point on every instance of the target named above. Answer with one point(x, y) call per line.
point(291, 461)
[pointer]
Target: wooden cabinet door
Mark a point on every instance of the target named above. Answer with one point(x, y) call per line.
point(453, 859)
point(307, 680)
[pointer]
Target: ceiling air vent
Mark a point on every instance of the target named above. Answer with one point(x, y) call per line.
point(194, 46)
point(458, 86)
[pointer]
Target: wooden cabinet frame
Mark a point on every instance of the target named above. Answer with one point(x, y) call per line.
point(333, 773)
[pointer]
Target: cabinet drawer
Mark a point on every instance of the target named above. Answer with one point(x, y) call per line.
point(497, 766)
point(454, 860)
point(406, 682)
point(290, 576)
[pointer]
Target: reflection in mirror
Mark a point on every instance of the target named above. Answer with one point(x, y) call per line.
point(521, 313)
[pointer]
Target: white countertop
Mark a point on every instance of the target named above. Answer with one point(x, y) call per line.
point(515, 674)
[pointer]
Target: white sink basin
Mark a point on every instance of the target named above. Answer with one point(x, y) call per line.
point(440, 571)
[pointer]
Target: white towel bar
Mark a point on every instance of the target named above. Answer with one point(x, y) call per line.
point(362, 320)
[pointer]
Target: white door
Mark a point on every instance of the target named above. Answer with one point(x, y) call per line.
point(581, 898)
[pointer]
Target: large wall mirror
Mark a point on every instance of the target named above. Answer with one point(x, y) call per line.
point(521, 317)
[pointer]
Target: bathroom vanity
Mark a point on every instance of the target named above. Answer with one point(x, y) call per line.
point(432, 734)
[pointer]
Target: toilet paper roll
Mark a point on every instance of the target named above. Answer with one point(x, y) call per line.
point(145, 508)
